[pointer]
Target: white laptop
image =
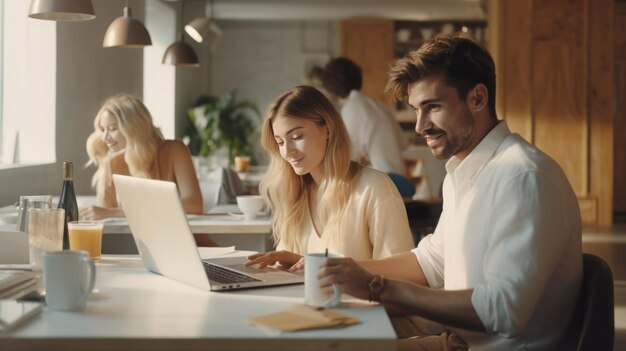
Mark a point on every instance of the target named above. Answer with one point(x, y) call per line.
point(165, 242)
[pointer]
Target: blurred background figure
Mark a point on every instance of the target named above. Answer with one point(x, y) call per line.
point(377, 139)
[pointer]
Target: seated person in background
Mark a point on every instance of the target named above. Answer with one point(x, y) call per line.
point(502, 268)
point(126, 142)
point(319, 198)
point(377, 139)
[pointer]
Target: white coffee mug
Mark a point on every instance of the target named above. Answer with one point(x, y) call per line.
point(313, 294)
point(69, 277)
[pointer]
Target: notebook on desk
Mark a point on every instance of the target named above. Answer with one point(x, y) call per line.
point(165, 242)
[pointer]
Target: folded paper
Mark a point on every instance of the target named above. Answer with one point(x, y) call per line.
point(302, 317)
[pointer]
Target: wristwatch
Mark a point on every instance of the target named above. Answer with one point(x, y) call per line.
point(376, 286)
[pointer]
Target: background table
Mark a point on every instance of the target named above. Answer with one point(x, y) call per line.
point(224, 229)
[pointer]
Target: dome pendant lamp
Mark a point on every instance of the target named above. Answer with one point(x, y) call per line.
point(180, 53)
point(204, 29)
point(126, 32)
point(62, 10)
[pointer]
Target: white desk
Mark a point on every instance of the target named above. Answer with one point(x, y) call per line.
point(137, 310)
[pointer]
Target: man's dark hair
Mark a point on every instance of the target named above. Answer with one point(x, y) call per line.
point(463, 61)
point(341, 76)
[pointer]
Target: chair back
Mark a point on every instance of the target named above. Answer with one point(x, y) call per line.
point(221, 186)
point(593, 323)
point(13, 247)
point(404, 185)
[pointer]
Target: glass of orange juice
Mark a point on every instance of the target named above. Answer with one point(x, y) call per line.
point(86, 235)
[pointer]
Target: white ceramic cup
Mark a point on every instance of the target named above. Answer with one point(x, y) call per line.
point(313, 294)
point(250, 205)
point(69, 277)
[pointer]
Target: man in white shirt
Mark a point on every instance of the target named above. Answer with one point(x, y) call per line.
point(504, 265)
point(377, 139)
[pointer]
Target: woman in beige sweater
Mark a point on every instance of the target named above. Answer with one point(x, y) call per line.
point(319, 198)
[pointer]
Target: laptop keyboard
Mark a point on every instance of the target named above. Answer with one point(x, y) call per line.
point(226, 276)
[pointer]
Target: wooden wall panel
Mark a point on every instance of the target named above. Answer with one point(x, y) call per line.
point(620, 27)
point(563, 19)
point(559, 105)
point(369, 43)
point(619, 175)
point(557, 85)
point(588, 209)
point(516, 72)
point(601, 101)
point(619, 142)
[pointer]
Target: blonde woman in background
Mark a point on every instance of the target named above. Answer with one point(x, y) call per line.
point(319, 198)
point(126, 142)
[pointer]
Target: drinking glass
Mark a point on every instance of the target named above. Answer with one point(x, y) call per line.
point(45, 233)
point(86, 235)
point(27, 202)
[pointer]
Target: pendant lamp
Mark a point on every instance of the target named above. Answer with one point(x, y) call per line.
point(180, 53)
point(62, 10)
point(204, 29)
point(199, 28)
point(126, 32)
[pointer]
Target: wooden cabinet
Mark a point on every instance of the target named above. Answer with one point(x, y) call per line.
point(374, 44)
point(554, 62)
point(369, 43)
point(410, 35)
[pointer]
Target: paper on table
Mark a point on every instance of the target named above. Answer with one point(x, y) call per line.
point(211, 252)
point(302, 317)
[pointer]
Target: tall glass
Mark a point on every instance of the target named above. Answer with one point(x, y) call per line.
point(30, 201)
point(45, 233)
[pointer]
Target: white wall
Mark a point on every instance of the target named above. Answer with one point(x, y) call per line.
point(87, 74)
point(29, 91)
point(261, 59)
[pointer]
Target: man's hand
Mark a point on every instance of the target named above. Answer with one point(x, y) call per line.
point(353, 279)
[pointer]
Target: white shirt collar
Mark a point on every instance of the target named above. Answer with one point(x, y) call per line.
point(470, 167)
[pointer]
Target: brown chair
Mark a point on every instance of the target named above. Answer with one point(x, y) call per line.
point(593, 324)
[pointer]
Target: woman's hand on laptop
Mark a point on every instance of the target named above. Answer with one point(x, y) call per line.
point(97, 212)
point(284, 258)
point(298, 266)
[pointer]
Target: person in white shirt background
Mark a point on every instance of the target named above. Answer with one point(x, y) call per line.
point(377, 139)
point(503, 267)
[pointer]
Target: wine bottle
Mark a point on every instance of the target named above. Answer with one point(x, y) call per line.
point(68, 200)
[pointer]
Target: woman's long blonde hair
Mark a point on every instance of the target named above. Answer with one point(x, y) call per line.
point(285, 191)
point(142, 138)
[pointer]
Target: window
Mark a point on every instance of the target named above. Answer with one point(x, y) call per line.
point(27, 93)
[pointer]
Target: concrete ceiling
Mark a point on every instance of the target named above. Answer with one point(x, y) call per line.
point(335, 9)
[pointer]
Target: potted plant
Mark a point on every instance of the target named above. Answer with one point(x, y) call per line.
point(221, 122)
